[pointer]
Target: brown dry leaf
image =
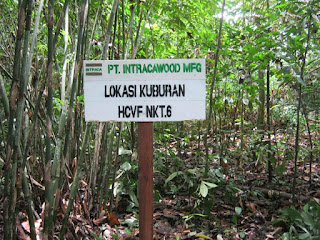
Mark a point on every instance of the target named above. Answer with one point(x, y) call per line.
point(317, 194)
point(37, 225)
point(74, 166)
point(41, 187)
point(77, 229)
point(113, 219)
point(135, 232)
point(277, 230)
point(157, 215)
point(164, 228)
point(241, 203)
point(26, 226)
point(101, 220)
point(299, 163)
point(227, 207)
point(306, 178)
point(251, 206)
point(270, 236)
point(317, 200)
point(21, 235)
point(168, 211)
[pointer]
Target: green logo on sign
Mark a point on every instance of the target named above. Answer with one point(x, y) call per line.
point(91, 69)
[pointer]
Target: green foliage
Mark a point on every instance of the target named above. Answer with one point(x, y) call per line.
point(204, 188)
point(254, 36)
point(191, 216)
point(192, 182)
point(126, 185)
point(304, 223)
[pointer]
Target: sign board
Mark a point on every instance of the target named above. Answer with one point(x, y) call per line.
point(144, 90)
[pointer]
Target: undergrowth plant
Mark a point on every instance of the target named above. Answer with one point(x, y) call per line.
point(304, 223)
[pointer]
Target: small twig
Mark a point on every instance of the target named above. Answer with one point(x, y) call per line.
point(6, 72)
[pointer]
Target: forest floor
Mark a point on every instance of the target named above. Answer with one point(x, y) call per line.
point(245, 206)
point(259, 201)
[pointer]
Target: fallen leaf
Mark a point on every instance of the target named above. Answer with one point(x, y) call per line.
point(219, 237)
point(113, 219)
point(21, 235)
point(101, 220)
point(251, 206)
point(26, 226)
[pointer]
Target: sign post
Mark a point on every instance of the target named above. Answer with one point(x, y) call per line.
point(145, 91)
point(145, 155)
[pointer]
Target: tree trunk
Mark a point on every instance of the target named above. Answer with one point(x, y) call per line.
point(299, 89)
point(260, 118)
point(208, 122)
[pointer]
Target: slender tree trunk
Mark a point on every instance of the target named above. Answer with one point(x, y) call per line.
point(97, 18)
point(269, 155)
point(115, 164)
point(76, 179)
point(130, 30)
point(109, 29)
point(103, 193)
point(48, 223)
point(216, 63)
point(305, 113)
point(296, 145)
point(140, 33)
point(260, 118)
point(299, 89)
point(123, 31)
point(35, 35)
point(95, 161)
point(65, 62)
point(4, 97)
point(25, 72)
point(10, 166)
point(56, 174)
point(208, 122)
point(241, 121)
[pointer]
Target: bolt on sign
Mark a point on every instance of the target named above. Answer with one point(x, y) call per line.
point(144, 90)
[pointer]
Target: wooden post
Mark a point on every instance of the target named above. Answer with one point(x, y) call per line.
point(145, 154)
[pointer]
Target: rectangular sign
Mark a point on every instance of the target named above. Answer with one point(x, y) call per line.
point(145, 90)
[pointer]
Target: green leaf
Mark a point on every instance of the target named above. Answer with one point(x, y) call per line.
point(81, 99)
point(280, 169)
point(172, 176)
point(58, 100)
point(126, 166)
point(134, 198)
point(238, 210)
point(234, 219)
point(304, 236)
point(200, 235)
point(192, 171)
point(218, 173)
point(275, 106)
point(315, 17)
point(210, 185)
point(203, 189)
point(308, 219)
point(301, 81)
point(123, 151)
point(281, 5)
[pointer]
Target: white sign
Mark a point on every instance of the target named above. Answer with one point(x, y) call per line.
point(145, 90)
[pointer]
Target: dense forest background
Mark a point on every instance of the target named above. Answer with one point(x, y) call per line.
point(249, 171)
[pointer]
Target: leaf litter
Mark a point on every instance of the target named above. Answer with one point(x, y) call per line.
point(251, 211)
